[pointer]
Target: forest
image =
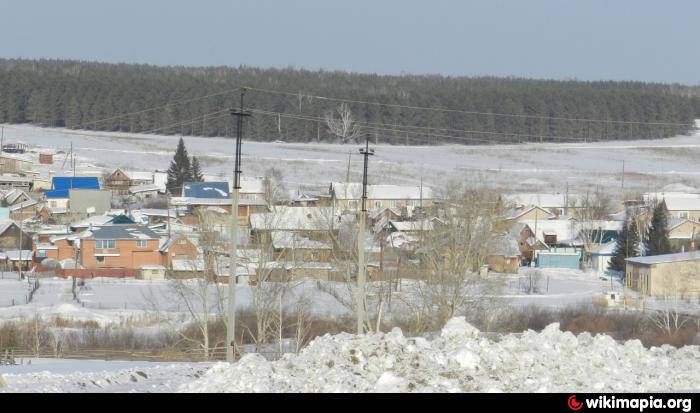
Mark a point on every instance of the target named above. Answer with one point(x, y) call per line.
point(295, 105)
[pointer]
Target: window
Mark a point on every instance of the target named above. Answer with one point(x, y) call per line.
point(100, 259)
point(683, 215)
point(52, 204)
point(42, 253)
point(105, 243)
point(182, 241)
point(141, 243)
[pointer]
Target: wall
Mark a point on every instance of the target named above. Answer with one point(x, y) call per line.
point(82, 199)
point(499, 263)
point(129, 255)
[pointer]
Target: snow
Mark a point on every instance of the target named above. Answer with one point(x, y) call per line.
point(648, 162)
point(39, 375)
point(462, 360)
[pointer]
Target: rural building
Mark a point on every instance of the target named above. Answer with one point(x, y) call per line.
point(59, 194)
point(681, 205)
point(152, 272)
point(599, 257)
point(146, 192)
point(17, 182)
point(15, 164)
point(11, 237)
point(24, 210)
point(556, 204)
point(683, 233)
point(119, 246)
point(528, 213)
point(46, 158)
point(348, 196)
point(505, 255)
point(89, 201)
point(15, 196)
point(559, 258)
point(178, 247)
point(293, 247)
point(669, 275)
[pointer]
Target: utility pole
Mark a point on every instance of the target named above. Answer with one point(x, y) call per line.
point(361, 270)
point(233, 252)
point(623, 174)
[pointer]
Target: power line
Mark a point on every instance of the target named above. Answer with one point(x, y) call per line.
point(467, 112)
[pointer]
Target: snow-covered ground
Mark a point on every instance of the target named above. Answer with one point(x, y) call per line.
point(114, 301)
point(37, 375)
point(460, 359)
point(649, 164)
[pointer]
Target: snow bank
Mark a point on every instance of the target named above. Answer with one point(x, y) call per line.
point(462, 360)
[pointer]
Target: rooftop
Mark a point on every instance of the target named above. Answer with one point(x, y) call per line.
point(121, 232)
point(658, 259)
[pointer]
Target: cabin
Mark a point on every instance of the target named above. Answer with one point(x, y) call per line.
point(668, 275)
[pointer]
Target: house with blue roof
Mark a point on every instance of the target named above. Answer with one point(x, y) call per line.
point(206, 190)
point(58, 195)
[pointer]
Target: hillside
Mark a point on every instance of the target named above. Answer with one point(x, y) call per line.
point(286, 103)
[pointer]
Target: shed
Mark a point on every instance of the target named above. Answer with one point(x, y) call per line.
point(152, 272)
point(559, 258)
point(669, 275)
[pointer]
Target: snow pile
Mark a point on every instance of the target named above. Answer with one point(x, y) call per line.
point(462, 360)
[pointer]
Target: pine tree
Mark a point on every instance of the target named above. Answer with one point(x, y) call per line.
point(627, 245)
point(196, 173)
point(659, 243)
point(180, 170)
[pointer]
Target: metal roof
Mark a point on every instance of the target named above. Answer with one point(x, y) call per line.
point(658, 259)
point(210, 190)
point(122, 232)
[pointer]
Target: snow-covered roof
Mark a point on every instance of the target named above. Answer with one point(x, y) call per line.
point(543, 200)
point(520, 211)
point(152, 267)
point(93, 220)
point(25, 204)
point(139, 175)
point(188, 265)
point(289, 240)
point(563, 229)
point(284, 218)
point(251, 185)
point(675, 201)
point(185, 201)
point(16, 255)
point(156, 212)
point(506, 246)
point(146, 188)
point(353, 190)
point(122, 232)
point(413, 226)
point(603, 249)
point(658, 259)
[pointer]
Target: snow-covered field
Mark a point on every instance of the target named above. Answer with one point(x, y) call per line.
point(460, 359)
point(649, 164)
point(114, 301)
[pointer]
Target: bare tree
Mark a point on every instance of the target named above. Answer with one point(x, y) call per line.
point(452, 253)
point(669, 318)
point(342, 124)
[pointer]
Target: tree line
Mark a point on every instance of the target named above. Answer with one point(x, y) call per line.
point(89, 95)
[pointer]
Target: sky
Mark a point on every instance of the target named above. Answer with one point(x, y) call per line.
point(643, 40)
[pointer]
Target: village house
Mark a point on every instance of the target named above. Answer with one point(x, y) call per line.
point(14, 196)
point(15, 164)
point(504, 256)
point(527, 213)
point(120, 181)
point(83, 202)
point(669, 275)
point(16, 182)
point(146, 192)
point(11, 237)
point(556, 204)
point(24, 210)
point(119, 246)
point(59, 196)
point(347, 196)
point(678, 205)
point(178, 247)
point(683, 234)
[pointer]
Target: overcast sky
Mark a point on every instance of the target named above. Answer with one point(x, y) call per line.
point(561, 39)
